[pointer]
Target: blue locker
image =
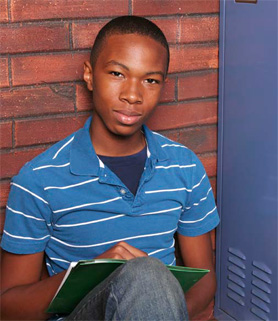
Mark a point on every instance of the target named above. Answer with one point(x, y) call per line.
point(246, 254)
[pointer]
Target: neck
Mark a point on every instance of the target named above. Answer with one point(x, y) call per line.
point(109, 144)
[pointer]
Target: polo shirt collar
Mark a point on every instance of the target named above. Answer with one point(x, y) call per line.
point(155, 151)
point(83, 158)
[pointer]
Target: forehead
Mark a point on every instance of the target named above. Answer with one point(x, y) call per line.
point(134, 50)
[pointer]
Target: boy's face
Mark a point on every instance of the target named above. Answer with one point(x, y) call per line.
point(126, 81)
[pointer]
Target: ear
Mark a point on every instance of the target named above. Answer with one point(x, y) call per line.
point(88, 75)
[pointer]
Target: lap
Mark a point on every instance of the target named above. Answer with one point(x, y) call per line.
point(141, 289)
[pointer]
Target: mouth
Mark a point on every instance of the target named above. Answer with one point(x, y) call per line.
point(127, 117)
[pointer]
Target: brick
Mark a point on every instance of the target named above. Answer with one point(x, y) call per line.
point(168, 93)
point(61, 127)
point(4, 11)
point(4, 189)
point(169, 27)
point(198, 57)
point(57, 9)
point(167, 7)
point(172, 134)
point(4, 72)
point(48, 68)
point(198, 86)
point(11, 162)
point(183, 115)
point(209, 162)
point(6, 138)
point(37, 101)
point(213, 185)
point(33, 38)
point(200, 139)
point(84, 96)
point(199, 29)
point(2, 220)
point(84, 34)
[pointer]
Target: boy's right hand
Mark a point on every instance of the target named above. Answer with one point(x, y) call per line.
point(122, 251)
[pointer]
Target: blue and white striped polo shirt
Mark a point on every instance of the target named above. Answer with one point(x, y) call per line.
point(67, 203)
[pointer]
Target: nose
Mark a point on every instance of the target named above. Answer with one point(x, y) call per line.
point(131, 92)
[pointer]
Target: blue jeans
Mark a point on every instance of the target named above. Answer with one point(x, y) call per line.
point(141, 289)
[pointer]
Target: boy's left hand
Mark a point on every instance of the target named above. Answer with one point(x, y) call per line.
point(122, 251)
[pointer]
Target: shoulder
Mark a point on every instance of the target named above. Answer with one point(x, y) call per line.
point(173, 149)
point(55, 156)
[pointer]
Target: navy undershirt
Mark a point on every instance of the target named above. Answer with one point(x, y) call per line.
point(128, 168)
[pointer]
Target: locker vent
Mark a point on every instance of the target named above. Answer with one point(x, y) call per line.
point(261, 282)
point(236, 276)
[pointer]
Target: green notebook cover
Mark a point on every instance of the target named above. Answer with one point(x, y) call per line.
point(83, 276)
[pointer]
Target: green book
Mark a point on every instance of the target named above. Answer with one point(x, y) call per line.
point(83, 276)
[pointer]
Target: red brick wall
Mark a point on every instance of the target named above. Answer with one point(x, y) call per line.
point(43, 44)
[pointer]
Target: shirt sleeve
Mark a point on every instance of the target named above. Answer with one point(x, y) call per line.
point(27, 226)
point(199, 215)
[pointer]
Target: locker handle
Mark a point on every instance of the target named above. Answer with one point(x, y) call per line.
point(247, 1)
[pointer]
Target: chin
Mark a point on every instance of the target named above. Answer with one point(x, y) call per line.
point(126, 131)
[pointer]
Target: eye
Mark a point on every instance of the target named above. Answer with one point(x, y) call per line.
point(116, 74)
point(152, 81)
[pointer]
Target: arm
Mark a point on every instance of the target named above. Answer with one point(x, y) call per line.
point(23, 294)
point(26, 293)
point(197, 252)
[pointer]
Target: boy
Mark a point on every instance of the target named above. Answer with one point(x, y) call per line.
point(113, 189)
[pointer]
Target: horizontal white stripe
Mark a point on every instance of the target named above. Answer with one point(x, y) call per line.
point(25, 237)
point(21, 213)
point(169, 190)
point(160, 250)
point(204, 198)
point(114, 241)
point(88, 204)
point(47, 166)
point(162, 211)
point(90, 222)
point(179, 166)
point(57, 153)
point(201, 200)
point(73, 185)
point(60, 260)
point(27, 190)
point(173, 145)
point(199, 182)
point(114, 217)
point(201, 219)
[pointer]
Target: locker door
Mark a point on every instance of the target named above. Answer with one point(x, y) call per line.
point(246, 260)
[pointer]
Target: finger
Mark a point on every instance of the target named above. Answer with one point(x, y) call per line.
point(122, 250)
point(118, 251)
point(133, 250)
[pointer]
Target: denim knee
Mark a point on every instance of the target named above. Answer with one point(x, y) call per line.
point(149, 273)
point(145, 286)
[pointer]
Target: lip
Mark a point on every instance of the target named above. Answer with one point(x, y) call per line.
point(127, 117)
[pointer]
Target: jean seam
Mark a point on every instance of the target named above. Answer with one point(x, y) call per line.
point(116, 300)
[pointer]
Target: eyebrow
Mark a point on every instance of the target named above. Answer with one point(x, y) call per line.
point(114, 62)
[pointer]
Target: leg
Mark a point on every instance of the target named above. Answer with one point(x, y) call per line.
point(141, 289)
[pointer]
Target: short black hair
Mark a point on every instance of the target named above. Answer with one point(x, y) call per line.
point(129, 25)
